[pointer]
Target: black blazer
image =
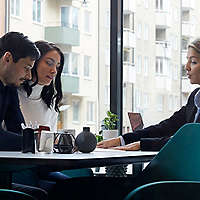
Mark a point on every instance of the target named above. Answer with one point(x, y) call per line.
point(154, 137)
point(10, 113)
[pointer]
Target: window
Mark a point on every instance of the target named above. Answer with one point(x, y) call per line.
point(87, 26)
point(186, 15)
point(66, 64)
point(74, 63)
point(90, 111)
point(37, 11)
point(69, 17)
point(65, 19)
point(87, 66)
point(184, 73)
point(159, 66)
point(139, 64)
point(184, 43)
point(126, 20)
point(137, 100)
point(71, 63)
point(128, 55)
point(76, 107)
point(15, 8)
point(159, 5)
point(160, 34)
point(160, 102)
point(146, 65)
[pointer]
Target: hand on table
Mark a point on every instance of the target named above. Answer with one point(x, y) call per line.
point(114, 142)
point(135, 146)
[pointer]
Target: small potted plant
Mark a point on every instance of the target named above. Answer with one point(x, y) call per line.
point(110, 124)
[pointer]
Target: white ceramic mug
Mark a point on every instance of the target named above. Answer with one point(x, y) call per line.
point(45, 142)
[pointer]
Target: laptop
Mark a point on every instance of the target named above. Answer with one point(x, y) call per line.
point(135, 121)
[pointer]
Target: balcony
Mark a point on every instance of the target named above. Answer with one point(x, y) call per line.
point(129, 40)
point(70, 84)
point(163, 19)
point(129, 6)
point(188, 4)
point(62, 35)
point(188, 29)
point(163, 49)
point(129, 74)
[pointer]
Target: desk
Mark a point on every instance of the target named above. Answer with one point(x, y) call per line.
point(13, 161)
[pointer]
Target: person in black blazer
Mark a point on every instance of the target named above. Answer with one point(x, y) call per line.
point(153, 138)
point(17, 56)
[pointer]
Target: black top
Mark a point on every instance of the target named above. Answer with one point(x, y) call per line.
point(10, 113)
point(154, 137)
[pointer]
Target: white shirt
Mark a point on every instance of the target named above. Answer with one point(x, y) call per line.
point(35, 110)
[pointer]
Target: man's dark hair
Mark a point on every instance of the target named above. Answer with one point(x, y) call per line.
point(54, 90)
point(19, 46)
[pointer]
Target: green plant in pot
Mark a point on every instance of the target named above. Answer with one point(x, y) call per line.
point(110, 123)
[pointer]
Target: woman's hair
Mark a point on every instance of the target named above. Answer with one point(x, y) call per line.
point(54, 90)
point(195, 45)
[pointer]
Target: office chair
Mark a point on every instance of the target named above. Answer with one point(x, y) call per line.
point(166, 190)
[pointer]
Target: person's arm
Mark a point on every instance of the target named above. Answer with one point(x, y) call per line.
point(11, 139)
point(153, 137)
point(153, 144)
point(13, 117)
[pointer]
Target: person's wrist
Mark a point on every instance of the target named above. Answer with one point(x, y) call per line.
point(118, 141)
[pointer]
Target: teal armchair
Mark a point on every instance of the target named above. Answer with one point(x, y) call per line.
point(6, 194)
point(166, 190)
point(179, 159)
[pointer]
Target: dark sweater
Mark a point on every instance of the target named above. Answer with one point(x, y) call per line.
point(10, 113)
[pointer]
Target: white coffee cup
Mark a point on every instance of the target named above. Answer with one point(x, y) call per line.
point(46, 142)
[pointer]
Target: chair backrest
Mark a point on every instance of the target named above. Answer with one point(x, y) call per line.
point(6, 194)
point(179, 159)
point(166, 190)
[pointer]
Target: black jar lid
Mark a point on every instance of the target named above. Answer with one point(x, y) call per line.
point(86, 129)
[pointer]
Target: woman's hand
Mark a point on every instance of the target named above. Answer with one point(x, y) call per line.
point(135, 146)
point(109, 143)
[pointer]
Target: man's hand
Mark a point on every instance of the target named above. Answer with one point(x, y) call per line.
point(114, 142)
point(129, 147)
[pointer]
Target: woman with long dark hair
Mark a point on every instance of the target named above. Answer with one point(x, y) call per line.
point(39, 103)
point(40, 96)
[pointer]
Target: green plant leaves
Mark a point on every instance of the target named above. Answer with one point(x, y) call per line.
point(110, 121)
